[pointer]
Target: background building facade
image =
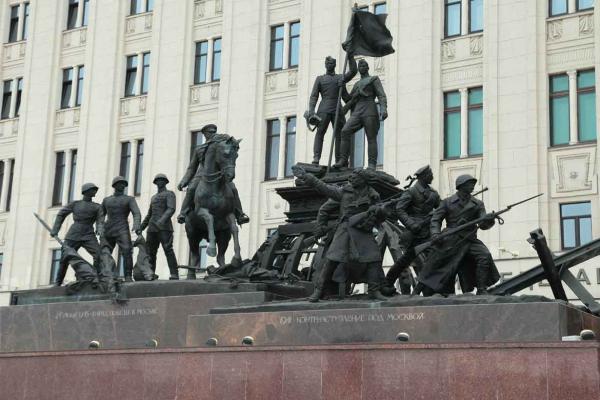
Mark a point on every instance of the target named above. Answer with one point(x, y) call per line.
point(501, 89)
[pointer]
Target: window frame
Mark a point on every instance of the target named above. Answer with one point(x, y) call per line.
point(577, 225)
point(551, 95)
point(290, 38)
point(72, 176)
point(19, 97)
point(125, 160)
point(198, 57)
point(2, 174)
point(471, 15)
point(194, 142)
point(131, 75)
point(213, 77)
point(469, 108)
point(550, 15)
point(13, 25)
point(72, 11)
point(25, 26)
point(60, 163)
point(6, 99)
point(448, 110)
point(139, 166)
point(269, 146)
point(272, 45)
point(289, 156)
point(145, 78)
point(579, 91)
point(80, 78)
point(381, 3)
point(446, 6)
point(66, 84)
point(11, 178)
point(578, 9)
point(85, 13)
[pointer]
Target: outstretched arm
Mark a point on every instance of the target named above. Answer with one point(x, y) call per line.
point(331, 191)
point(60, 218)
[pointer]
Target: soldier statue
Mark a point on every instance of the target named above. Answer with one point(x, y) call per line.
point(194, 172)
point(351, 244)
point(328, 86)
point(364, 115)
point(160, 228)
point(116, 228)
point(414, 210)
point(81, 233)
point(463, 254)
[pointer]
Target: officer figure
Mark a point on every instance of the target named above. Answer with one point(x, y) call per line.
point(328, 86)
point(116, 228)
point(81, 233)
point(458, 209)
point(414, 210)
point(160, 228)
point(194, 172)
point(364, 115)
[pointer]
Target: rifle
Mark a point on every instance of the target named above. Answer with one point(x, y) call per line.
point(475, 223)
point(45, 225)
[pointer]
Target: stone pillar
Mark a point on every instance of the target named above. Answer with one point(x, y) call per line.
point(132, 167)
point(464, 17)
point(572, 6)
point(572, 106)
point(282, 143)
point(74, 87)
point(209, 59)
point(138, 74)
point(13, 98)
point(464, 122)
point(67, 176)
point(21, 20)
point(6, 179)
point(286, 45)
point(79, 21)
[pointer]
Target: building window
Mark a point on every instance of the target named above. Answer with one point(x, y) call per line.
point(575, 224)
point(216, 61)
point(6, 99)
point(10, 184)
point(1, 262)
point(19, 95)
point(559, 109)
point(149, 5)
point(25, 29)
point(79, 94)
point(452, 124)
point(452, 17)
point(55, 265)
point(290, 145)
point(2, 168)
point(59, 176)
point(272, 158)
point(73, 174)
point(475, 16)
point(72, 14)
point(276, 57)
point(197, 140)
point(145, 73)
point(139, 163)
point(131, 75)
point(67, 87)
point(294, 44)
point(271, 232)
point(585, 5)
point(135, 7)
point(586, 106)
point(557, 7)
point(86, 13)
point(200, 63)
point(125, 159)
point(475, 122)
point(380, 8)
point(13, 30)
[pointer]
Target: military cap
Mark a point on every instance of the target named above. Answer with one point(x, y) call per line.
point(118, 179)
point(208, 128)
point(329, 58)
point(464, 179)
point(87, 186)
point(160, 176)
point(422, 170)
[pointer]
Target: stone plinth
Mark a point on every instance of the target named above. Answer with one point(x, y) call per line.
point(540, 371)
point(72, 326)
point(466, 323)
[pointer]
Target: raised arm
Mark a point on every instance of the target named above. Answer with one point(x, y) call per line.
point(60, 218)
point(352, 69)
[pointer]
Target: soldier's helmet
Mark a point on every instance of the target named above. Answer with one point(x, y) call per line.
point(88, 186)
point(423, 170)
point(118, 179)
point(210, 128)
point(464, 179)
point(160, 176)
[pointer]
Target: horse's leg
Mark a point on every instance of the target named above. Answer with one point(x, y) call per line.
point(194, 243)
point(203, 213)
point(222, 244)
point(237, 257)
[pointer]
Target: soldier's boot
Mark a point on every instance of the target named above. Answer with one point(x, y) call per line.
point(481, 277)
point(342, 162)
point(376, 295)
point(316, 295)
point(188, 200)
point(128, 268)
point(341, 290)
point(242, 218)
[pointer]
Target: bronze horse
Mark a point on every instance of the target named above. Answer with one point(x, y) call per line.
point(212, 217)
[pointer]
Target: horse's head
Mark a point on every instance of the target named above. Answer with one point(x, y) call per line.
point(226, 157)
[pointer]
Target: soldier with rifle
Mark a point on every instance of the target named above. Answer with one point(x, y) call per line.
point(457, 250)
point(86, 213)
point(352, 243)
point(414, 210)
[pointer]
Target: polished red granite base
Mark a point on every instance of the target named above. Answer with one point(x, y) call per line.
point(393, 371)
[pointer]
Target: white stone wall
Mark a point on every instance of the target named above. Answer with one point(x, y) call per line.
point(511, 59)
